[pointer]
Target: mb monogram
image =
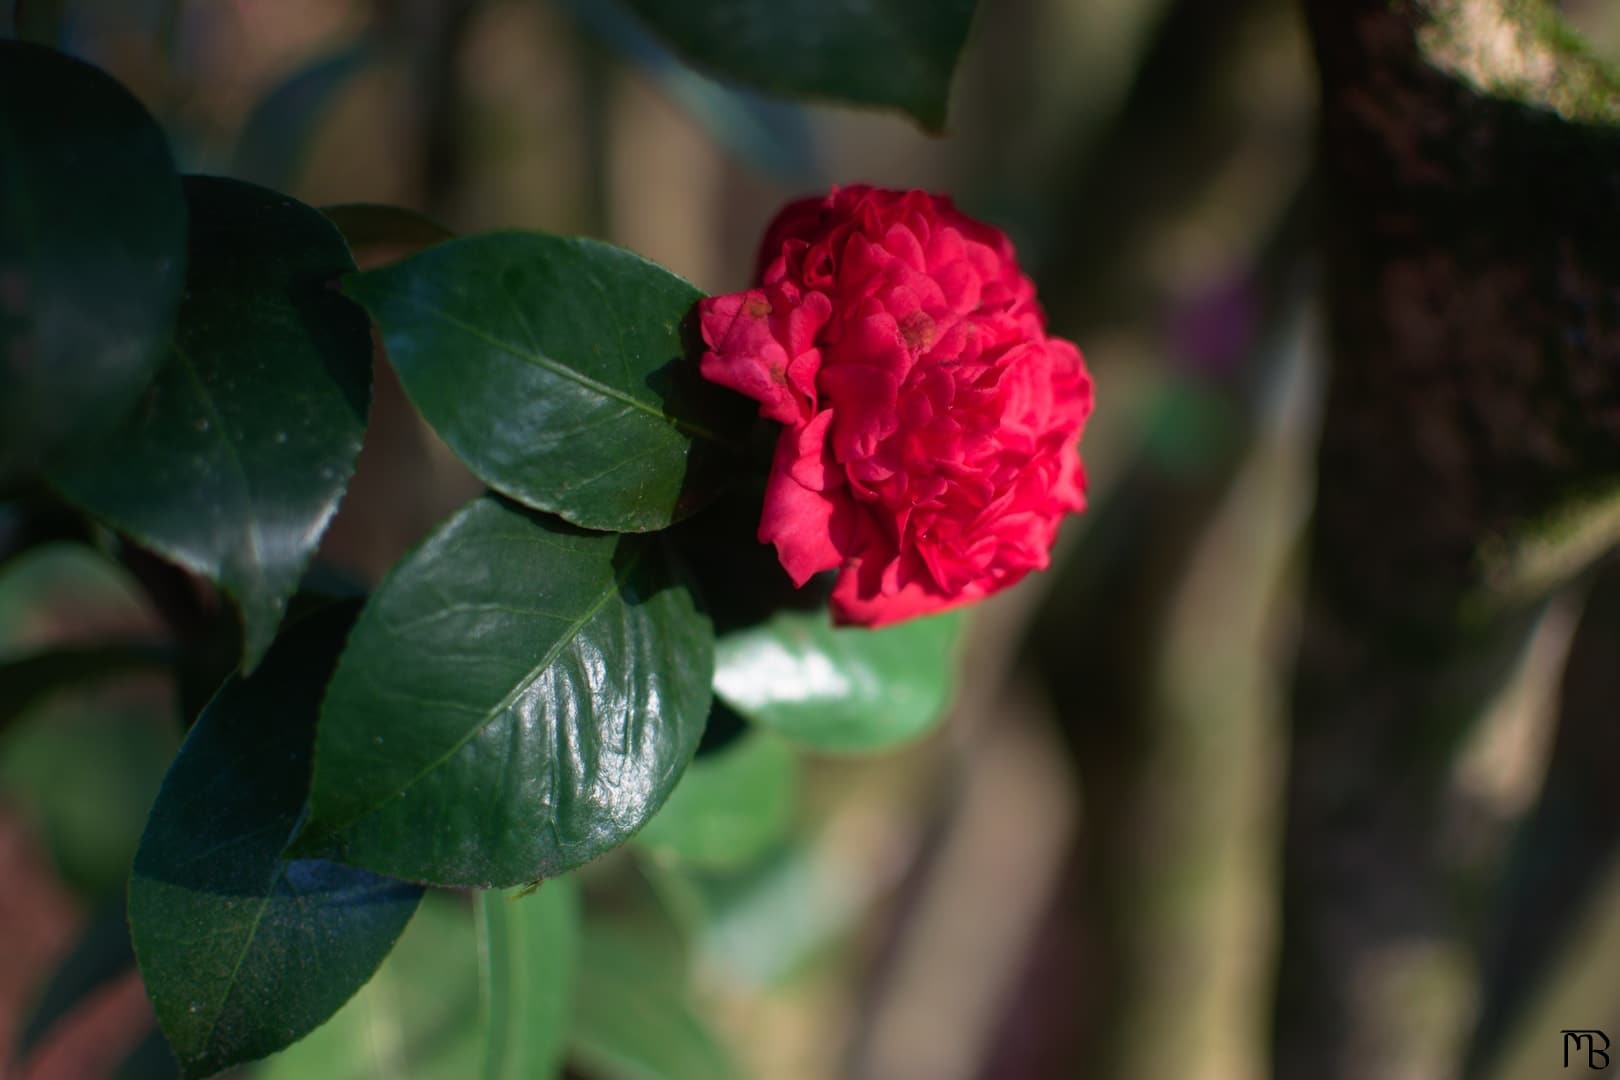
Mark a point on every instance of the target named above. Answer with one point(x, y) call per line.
point(1586, 1040)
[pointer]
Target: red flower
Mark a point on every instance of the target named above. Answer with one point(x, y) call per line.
point(931, 424)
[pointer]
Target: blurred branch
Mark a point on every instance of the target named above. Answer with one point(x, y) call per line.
point(1475, 399)
point(432, 33)
point(1550, 951)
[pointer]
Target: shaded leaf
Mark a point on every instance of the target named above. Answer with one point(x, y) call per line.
point(773, 136)
point(555, 369)
point(896, 53)
point(730, 806)
point(528, 949)
point(92, 254)
point(417, 1018)
point(839, 688)
point(244, 951)
point(517, 698)
point(237, 455)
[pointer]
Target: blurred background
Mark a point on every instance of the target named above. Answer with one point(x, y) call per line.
point(1080, 874)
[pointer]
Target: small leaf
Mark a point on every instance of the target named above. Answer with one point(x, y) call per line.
point(527, 949)
point(242, 950)
point(895, 53)
point(839, 688)
point(556, 370)
point(517, 698)
point(416, 1019)
point(238, 454)
point(635, 1019)
point(92, 254)
point(730, 806)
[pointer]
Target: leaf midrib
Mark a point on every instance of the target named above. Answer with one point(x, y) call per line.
point(539, 360)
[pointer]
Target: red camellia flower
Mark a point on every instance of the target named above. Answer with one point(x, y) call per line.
point(931, 425)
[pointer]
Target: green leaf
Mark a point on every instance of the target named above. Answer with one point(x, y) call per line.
point(527, 949)
point(839, 688)
point(92, 254)
point(730, 806)
point(634, 1019)
point(893, 53)
point(517, 698)
point(244, 951)
point(238, 454)
point(555, 369)
point(417, 1019)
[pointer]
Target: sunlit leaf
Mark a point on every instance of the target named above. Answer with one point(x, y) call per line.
point(556, 369)
point(517, 698)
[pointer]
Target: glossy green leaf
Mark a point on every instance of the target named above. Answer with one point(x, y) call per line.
point(842, 688)
point(528, 947)
point(517, 698)
point(555, 368)
point(635, 1019)
point(92, 254)
point(417, 1019)
point(894, 53)
point(730, 806)
point(244, 951)
point(237, 455)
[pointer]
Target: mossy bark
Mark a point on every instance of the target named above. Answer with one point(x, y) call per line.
point(1471, 438)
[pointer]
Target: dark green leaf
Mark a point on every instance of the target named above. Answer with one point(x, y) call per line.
point(555, 369)
point(773, 136)
point(101, 955)
point(238, 454)
point(417, 1018)
point(635, 1019)
point(895, 53)
point(517, 698)
point(92, 254)
point(730, 806)
point(528, 949)
point(277, 135)
point(151, 1060)
point(370, 225)
point(244, 951)
point(839, 688)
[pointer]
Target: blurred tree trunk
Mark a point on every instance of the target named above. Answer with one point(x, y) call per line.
point(1471, 449)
